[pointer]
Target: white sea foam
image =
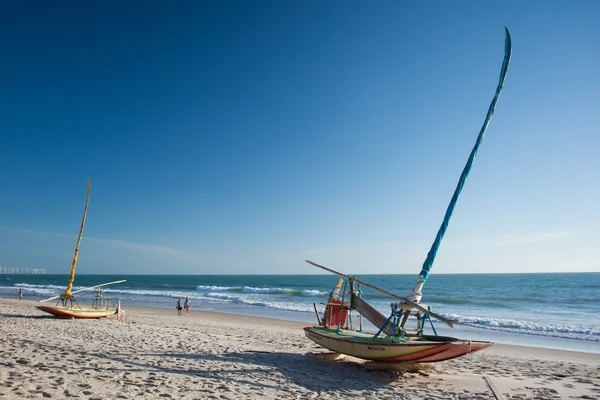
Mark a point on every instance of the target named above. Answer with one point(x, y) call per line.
point(36, 290)
point(203, 288)
point(29, 286)
point(263, 290)
point(582, 332)
point(300, 300)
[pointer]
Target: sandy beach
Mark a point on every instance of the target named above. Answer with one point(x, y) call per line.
point(156, 354)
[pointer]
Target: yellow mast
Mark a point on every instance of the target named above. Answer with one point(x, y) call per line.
point(72, 277)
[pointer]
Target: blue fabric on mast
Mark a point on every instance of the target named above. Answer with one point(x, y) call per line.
point(440, 235)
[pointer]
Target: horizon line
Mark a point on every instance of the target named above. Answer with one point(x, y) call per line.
point(292, 274)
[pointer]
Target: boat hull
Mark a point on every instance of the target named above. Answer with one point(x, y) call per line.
point(76, 312)
point(360, 345)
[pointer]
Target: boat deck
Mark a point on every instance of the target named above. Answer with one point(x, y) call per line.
point(368, 337)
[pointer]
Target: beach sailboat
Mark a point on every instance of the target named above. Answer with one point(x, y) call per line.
point(67, 306)
point(395, 341)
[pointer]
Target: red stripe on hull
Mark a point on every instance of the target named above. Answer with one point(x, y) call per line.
point(417, 356)
point(457, 350)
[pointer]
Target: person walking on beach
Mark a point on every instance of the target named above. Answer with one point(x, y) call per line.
point(20, 294)
point(186, 305)
point(179, 306)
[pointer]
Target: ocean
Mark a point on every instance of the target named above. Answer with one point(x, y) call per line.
point(554, 310)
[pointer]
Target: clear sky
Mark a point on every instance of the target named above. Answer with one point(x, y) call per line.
point(247, 136)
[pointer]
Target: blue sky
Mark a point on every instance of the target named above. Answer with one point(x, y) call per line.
point(246, 137)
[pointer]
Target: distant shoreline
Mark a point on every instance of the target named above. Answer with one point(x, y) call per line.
point(293, 318)
point(546, 311)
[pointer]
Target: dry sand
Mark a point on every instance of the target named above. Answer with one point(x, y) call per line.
point(156, 354)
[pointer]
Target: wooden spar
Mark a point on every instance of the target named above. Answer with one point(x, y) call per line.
point(350, 313)
point(404, 318)
point(497, 394)
point(360, 322)
point(447, 321)
point(81, 290)
point(317, 313)
point(72, 277)
point(336, 290)
point(359, 314)
point(342, 307)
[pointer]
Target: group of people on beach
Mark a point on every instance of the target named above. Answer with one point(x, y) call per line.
point(186, 304)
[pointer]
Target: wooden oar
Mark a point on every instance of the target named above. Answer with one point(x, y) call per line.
point(447, 321)
point(81, 290)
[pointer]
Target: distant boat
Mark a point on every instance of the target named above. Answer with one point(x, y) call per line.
point(395, 342)
point(67, 306)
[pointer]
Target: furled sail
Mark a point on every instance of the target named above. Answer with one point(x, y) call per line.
point(415, 295)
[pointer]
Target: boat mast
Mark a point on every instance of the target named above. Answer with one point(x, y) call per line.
point(72, 277)
point(415, 295)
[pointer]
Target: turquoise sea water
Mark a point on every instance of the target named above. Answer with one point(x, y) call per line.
point(548, 310)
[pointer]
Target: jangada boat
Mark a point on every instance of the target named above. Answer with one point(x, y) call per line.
point(395, 342)
point(67, 306)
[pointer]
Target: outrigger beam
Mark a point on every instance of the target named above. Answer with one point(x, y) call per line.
point(82, 290)
point(414, 305)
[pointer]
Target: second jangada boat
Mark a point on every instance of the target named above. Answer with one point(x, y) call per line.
point(395, 342)
point(67, 306)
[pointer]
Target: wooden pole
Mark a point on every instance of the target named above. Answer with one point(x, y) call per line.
point(317, 312)
point(72, 277)
point(342, 306)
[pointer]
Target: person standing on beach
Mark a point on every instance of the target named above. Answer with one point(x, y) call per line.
point(186, 305)
point(20, 294)
point(179, 306)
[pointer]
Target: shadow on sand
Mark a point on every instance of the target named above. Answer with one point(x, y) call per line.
point(248, 368)
point(304, 370)
point(4, 315)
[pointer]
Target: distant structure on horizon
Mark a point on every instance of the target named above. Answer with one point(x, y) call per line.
point(5, 270)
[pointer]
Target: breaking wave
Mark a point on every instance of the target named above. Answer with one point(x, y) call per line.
point(262, 290)
point(581, 332)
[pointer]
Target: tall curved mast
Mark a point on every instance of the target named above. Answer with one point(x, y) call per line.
point(415, 295)
point(76, 255)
